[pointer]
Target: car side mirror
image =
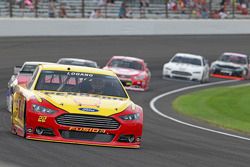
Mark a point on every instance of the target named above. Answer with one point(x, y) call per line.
point(17, 69)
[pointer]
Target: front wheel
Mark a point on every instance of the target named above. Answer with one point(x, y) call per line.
point(245, 74)
point(202, 79)
point(24, 121)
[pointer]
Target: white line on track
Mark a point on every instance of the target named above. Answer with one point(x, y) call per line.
point(152, 106)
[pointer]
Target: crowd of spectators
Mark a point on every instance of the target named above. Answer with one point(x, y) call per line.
point(189, 8)
point(201, 8)
point(53, 9)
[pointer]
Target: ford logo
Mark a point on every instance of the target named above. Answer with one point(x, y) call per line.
point(88, 109)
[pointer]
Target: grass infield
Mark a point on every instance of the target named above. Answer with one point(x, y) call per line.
point(227, 107)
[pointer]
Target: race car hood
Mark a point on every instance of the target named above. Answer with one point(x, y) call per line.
point(227, 64)
point(86, 103)
point(124, 71)
point(183, 67)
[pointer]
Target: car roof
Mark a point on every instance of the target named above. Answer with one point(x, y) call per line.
point(189, 55)
point(61, 67)
point(36, 63)
point(235, 54)
point(75, 59)
point(128, 58)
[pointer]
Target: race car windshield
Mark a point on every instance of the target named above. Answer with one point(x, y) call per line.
point(186, 60)
point(28, 69)
point(80, 82)
point(131, 64)
point(77, 63)
point(233, 59)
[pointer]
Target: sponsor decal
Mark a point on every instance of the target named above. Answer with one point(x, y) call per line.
point(88, 109)
point(92, 130)
point(79, 74)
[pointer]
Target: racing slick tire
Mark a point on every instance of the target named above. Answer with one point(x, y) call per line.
point(202, 81)
point(12, 122)
point(24, 122)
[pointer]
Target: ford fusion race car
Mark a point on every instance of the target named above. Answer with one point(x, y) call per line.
point(79, 105)
point(132, 72)
point(231, 66)
point(77, 62)
point(187, 66)
point(22, 75)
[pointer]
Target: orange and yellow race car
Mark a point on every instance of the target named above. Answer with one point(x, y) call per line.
point(72, 104)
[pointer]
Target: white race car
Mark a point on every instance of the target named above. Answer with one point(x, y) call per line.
point(187, 66)
point(22, 75)
point(78, 62)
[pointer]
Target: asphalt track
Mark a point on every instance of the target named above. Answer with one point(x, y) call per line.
point(165, 143)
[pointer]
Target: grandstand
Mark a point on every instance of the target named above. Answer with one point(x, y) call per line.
point(156, 9)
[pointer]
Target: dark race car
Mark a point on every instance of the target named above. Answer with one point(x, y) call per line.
point(231, 66)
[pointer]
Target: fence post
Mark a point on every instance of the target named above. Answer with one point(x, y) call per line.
point(10, 8)
point(106, 10)
point(233, 10)
point(166, 8)
point(36, 8)
point(83, 9)
point(210, 9)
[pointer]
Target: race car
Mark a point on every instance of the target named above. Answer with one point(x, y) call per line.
point(73, 104)
point(77, 62)
point(132, 72)
point(187, 66)
point(231, 66)
point(22, 75)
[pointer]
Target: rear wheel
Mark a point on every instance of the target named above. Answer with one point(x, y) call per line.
point(13, 130)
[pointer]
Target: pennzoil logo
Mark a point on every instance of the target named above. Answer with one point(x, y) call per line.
point(92, 130)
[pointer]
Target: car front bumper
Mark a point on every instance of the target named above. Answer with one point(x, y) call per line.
point(130, 84)
point(182, 75)
point(226, 73)
point(47, 128)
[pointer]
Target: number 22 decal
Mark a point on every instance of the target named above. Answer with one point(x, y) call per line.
point(42, 118)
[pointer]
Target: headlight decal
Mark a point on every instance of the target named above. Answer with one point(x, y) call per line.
point(41, 109)
point(140, 77)
point(130, 117)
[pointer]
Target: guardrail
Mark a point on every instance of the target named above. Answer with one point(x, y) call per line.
point(108, 27)
point(126, 8)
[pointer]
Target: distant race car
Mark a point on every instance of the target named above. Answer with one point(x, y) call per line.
point(187, 66)
point(132, 72)
point(231, 66)
point(73, 104)
point(77, 62)
point(22, 75)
